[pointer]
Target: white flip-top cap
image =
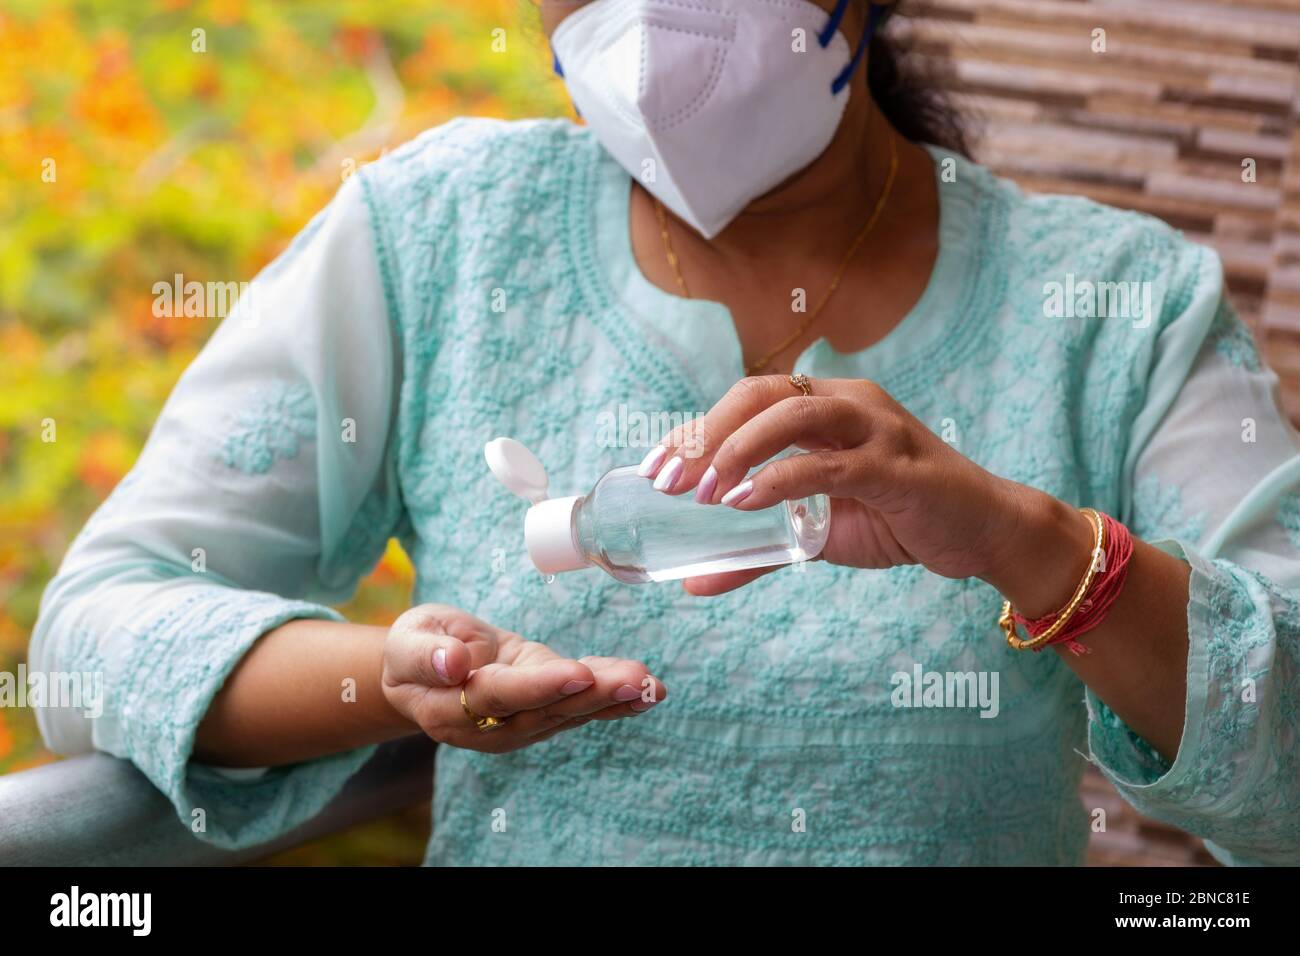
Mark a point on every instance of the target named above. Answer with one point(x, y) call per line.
point(548, 533)
point(517, 468)
point(548, 526)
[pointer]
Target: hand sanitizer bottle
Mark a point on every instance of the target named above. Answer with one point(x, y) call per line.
point(636, 534)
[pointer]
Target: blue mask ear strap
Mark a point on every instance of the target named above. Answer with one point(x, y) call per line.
point(833, 24)
point(873, 18)
point(559, 71)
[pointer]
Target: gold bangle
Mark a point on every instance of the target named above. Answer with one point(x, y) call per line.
point(1007, 621)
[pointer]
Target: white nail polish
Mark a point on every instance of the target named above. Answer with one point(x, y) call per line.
point(738, 493)
point(651, 461)
point(668, 477)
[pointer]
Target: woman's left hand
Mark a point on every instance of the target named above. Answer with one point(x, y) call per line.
point(899, 494)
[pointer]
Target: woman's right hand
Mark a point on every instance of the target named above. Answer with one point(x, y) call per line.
point(434, 650)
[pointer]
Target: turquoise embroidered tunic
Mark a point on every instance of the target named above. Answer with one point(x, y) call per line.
point(480, 282)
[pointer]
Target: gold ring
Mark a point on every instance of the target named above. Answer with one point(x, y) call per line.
point(801, 381)
point(484, 724)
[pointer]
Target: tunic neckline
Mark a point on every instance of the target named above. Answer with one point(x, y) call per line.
point(702, 332)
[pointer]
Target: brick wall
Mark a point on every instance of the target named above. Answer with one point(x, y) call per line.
point(1161, 122)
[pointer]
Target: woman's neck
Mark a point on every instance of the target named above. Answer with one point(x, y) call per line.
point(797, 236)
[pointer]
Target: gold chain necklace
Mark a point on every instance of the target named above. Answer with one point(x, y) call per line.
point(881, 202)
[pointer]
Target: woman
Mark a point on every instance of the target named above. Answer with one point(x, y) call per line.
point(757, 192)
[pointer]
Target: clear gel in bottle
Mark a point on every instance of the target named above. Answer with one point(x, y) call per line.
point(637, 534)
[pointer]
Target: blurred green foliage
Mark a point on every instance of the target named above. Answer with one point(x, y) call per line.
point(140, 140)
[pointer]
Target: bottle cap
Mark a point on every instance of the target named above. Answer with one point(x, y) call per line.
point(517, 468)
point(548, 533)
point(548, 526)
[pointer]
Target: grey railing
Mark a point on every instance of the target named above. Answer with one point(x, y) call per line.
point(100, 811)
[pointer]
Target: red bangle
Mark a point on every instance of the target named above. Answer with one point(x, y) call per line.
point(1108, 581)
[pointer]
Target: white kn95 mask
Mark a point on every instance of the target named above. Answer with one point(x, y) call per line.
point(709, 104)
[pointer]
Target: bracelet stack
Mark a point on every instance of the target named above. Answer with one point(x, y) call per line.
point(1092, 599)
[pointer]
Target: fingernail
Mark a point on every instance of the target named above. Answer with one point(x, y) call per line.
point(651, 462)
point(627, 692)
point(642, 706)
point(738, 493)
point(573, 686)
point(668, 477)
point(704, 491)
point(440, 663)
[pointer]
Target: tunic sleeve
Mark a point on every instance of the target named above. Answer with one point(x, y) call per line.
point(1215, 481)
point(264, 493)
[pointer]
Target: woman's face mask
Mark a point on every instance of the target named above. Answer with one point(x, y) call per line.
point(709, 103)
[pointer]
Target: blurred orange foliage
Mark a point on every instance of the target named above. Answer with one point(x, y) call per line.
point(146, 139)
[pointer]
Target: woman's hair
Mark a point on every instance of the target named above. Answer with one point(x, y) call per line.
point(912, 94)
